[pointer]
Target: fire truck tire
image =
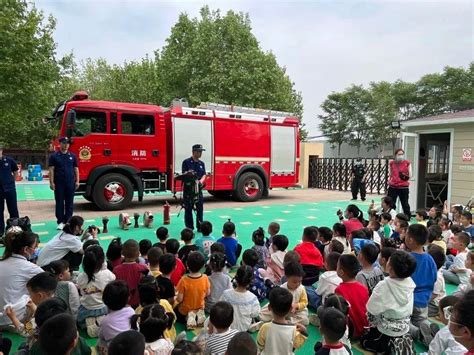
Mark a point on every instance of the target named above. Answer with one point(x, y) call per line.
point(249, 187)
point(87, 197)
point(223, 194)
point(112, 192)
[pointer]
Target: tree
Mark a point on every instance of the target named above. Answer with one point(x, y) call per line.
point(356, 108)
point(217, 59)
point(334, 122)
point(30, 74)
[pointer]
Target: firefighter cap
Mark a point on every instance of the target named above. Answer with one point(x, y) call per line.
point(198, 148)
point(66, 140)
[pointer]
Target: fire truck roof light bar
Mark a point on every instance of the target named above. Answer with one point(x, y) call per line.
point(243, 109)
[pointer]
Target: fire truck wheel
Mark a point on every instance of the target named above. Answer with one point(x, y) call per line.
point(249, 187)
point(223, 194)
point(112, 192)
point(87, 197)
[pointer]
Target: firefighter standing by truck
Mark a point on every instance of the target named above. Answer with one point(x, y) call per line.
point(358, 180)
point(63, 180)
point(8, 175)
point(195, 171)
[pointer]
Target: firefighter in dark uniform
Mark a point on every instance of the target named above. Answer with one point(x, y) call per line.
point(195, 170)
point(63, 180)
point(8, 175)
point(358, 180)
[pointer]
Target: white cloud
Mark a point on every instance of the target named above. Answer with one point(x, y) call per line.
point(324, 45)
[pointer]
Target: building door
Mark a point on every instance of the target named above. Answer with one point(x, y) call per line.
point(410, 143)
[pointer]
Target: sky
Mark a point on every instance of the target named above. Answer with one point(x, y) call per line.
point(325, 45)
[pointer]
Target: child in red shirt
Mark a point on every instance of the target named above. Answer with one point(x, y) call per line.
point(130, 271)
point(172, 247)
point(353, 292)
point(309, 254)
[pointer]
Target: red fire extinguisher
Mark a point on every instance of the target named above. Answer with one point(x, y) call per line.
point(166, 213)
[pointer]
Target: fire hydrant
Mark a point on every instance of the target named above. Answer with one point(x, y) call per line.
point(166, 213)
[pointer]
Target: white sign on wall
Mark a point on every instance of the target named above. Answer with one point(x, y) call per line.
point(467, 154)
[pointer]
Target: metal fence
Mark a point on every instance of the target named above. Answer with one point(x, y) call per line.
point(335, 174)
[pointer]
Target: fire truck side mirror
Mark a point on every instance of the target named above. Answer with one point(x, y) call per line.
point(70, 122)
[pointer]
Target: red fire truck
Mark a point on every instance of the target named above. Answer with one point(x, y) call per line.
point(125, 147)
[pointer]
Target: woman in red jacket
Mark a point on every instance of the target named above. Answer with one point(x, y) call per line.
point(398, 182)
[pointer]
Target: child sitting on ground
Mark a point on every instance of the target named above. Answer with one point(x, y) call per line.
point(219, 328)
point(421, 217)
point(40, 288)
point(219, 280)
point(390, 307)
point(369, 276)
point(204, 243)
point(187, 236)
point(385, 220)
point(457, 272)
point(439, 290)
point(242, 343)
point(152, 323)
point(167, 264)
point(115, 297)
point(274, 270)
point(339, 231)
point(468, 285)
point(130, 271)
point(279, 336)
point(310, 256)
point(324, 239)
point(385, 254)
point(91, 284)
point(257, 286)
point(66, 290)
point(172, 247)
point(354, 292)
point(245, 303)
point(114, 253)
point(192, 290)
point(444, 342)
point(144, 246)
point(232, 246)
point(424, 276)
point(333, 326)
point(336, 247)
point(299, 311)
point(154, 255)
point(58, 335)
point(162, 235)
point(258, 238)
point(273, 229)
point(466, 222)
point(435, 237)
point(130, 342)
point(328, 280)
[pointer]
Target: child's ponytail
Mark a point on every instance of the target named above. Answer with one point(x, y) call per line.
point(93, 260)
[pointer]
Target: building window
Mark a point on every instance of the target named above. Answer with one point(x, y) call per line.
point(138, 124)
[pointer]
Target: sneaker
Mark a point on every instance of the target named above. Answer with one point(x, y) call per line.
point(181, 336)
point(426, 333)
point(191, 320)
point(255, 327)
point(93, 326)
point(314, 319)
point(353, 199)
point(201, 318)
point(60, 226)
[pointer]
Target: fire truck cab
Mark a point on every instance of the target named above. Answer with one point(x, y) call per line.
point(127, 147)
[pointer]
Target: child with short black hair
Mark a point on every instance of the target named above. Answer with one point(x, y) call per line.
point(116, 296)
point(257, 286)
point(258, 238)
point(66, 290)
point(192, 290)
point(129, 342)
point(130, 271)
point(162, 235)
point(245, 303)
point(421, 216)
point(328, 280)
point(384, 255)
point(187, 236)
point(242, 343)
point(466, 222)
point(154, 261)
point(218, 280)
point(273, 229)
point(167, 264)
point(144, 246)
point(332, 327)
point(385, 219)
point(206, 240)
point(324, 239)
point(274, 270)
point(58, 335)
point(457, 272)
point(232, 246)
point(339, 234)
point(369, 276)
point(435, 237)
point(310, 256)
point(439, 290)
point(424, 276)
point(154, 321)
point(279, 336)
point(336, 247)
point(172, 247)
point(390, 307)
point(354, 292)
point(220, 332)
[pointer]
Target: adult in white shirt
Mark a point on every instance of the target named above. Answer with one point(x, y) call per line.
point(65, 245)
point(16, 271)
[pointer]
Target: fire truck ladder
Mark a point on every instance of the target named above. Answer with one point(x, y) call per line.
point(243, 109)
